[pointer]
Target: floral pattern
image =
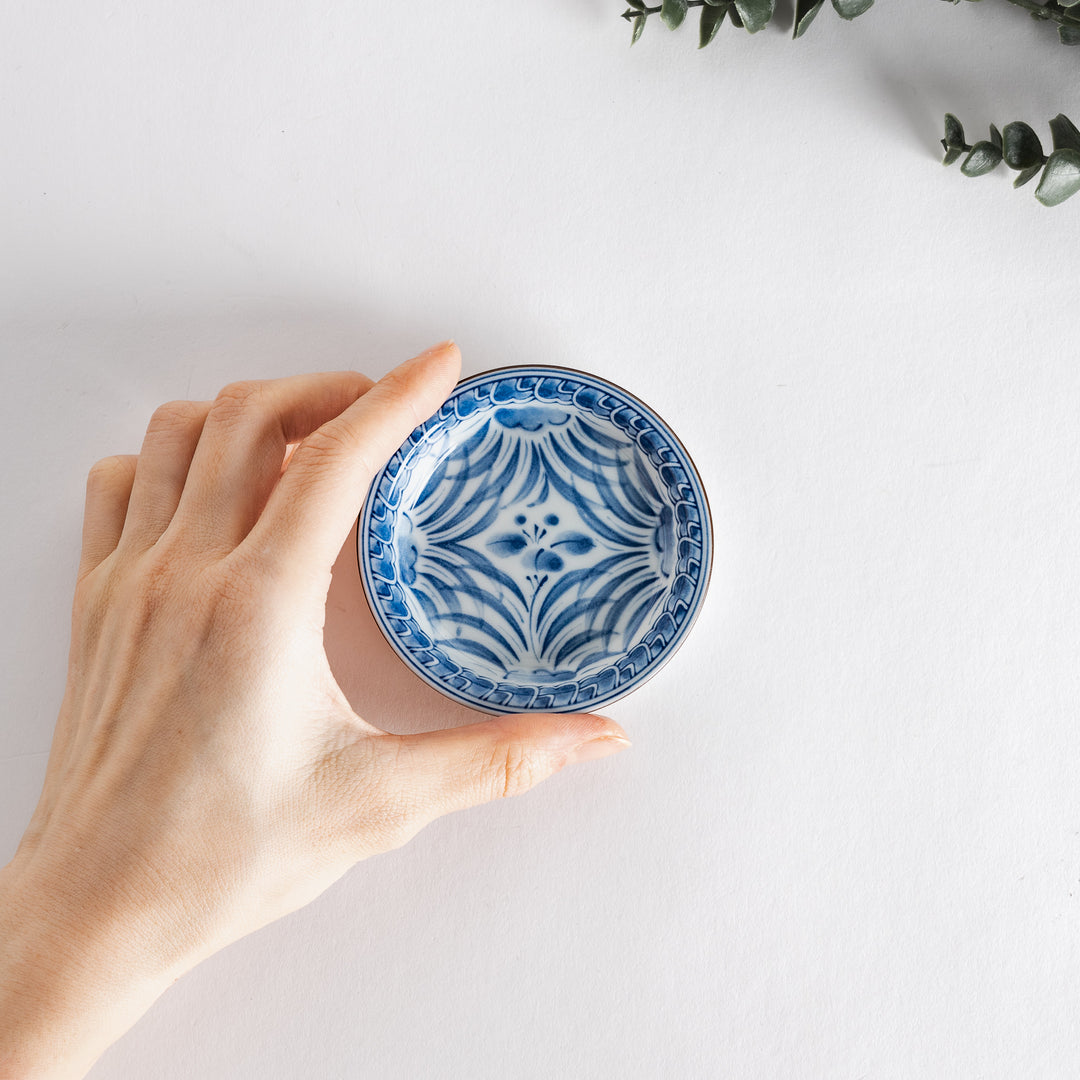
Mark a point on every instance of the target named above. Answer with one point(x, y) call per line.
point(535, 545)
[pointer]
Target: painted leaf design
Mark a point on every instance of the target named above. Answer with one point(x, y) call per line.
point(508, 544)
point(579, 578)
point(575, 543)
point(576, 643)
point(549, 561)
point(568, 617)
point(475, 623)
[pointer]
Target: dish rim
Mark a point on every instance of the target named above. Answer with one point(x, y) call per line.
point(655, 665)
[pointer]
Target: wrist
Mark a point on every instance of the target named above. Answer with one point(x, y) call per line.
point(69, 982)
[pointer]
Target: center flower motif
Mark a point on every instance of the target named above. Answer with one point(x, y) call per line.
point(530, 544)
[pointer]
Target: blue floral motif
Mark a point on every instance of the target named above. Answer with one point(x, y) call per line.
point(530, 417)
point(541, 543)
point(407, 552)
point(572, 579)
point(542, 559)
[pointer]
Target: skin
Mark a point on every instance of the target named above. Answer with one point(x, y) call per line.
point(207, 774)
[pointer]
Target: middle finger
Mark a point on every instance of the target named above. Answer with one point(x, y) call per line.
point(239, 458)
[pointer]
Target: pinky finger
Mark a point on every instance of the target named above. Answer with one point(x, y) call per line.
point(108, 488)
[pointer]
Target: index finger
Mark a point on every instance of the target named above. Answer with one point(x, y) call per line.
point(312, 509)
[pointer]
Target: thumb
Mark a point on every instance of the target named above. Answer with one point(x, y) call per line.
point(466, 766)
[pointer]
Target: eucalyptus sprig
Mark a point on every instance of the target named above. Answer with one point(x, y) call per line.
point(755, 15)
point(1019, 147)
point(1055, 11)
point(750, 15)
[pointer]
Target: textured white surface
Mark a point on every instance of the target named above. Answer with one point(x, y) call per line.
point(846, 842)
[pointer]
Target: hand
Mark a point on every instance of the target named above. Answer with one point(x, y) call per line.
point(207, 774)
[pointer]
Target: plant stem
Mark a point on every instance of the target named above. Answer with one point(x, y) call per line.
point(628, 14)
point(1054, 14)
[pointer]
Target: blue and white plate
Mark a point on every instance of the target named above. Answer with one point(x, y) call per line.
point(542, 543)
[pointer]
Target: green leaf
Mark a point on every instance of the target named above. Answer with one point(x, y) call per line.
point(1061, 178)
point(951, 153)
point(637, 5)
point(995, 136)
point(673, 12)
point(711, 18)
point(1066, 137)
point(954, 132)
point(984, 157)
point(1028, 174)
point(851, 9)
point(639, 25)
point(736, 18)
point(755, 14)
point(1069, 35)
point(1022, 148)
point(805, 11)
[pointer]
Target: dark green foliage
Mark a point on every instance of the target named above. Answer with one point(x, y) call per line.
point(983, 157)
point(1068, 20)
point(954, 134)
point(755, 15)
point(711, 18)
point(805, 10)
point(851, 9)
point(1022, 146)
point(1060, 178)
point(1064, 132)
point(749, 15)
point(1026, 175)
point(673, 12)
point(1019, 147)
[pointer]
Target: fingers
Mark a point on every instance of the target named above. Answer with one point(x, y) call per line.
point(210, 467)
point(243, 443)
point(313, 507)
point(162, 469)
point(442, 771)
point(108, 489)
point(382, 789)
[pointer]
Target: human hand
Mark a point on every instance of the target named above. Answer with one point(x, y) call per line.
point(207, 773)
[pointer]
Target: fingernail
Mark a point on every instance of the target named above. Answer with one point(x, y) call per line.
point(441, 347)
point(604, 746)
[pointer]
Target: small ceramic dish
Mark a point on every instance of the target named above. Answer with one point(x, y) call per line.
point(543, 542)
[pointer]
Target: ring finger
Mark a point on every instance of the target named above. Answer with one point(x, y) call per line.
point(161, 470)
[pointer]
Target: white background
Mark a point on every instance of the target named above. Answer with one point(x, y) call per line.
point(846, 841)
